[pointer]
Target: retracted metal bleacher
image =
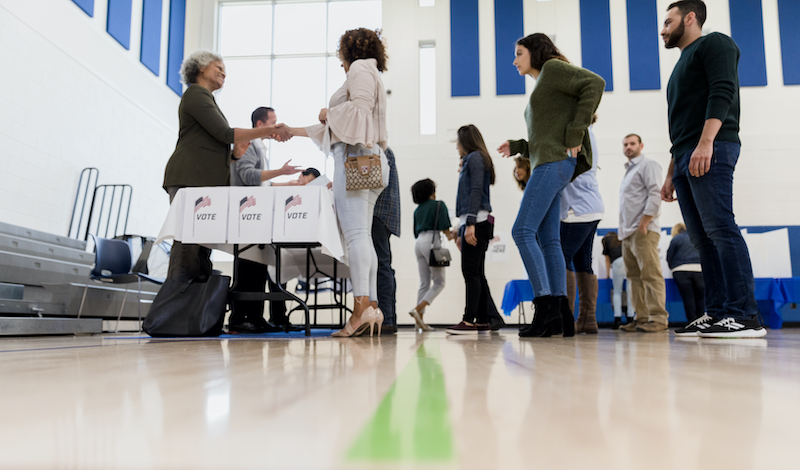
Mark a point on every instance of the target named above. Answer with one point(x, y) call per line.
point(43, 276)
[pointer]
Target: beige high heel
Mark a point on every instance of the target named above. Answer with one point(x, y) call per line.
point(375, 318)
point(351, 330)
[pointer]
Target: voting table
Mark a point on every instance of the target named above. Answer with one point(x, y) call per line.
point(259, 223)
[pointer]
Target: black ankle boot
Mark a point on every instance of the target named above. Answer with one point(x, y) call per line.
point(546, 320)
point(617, 323)
point(567, 318)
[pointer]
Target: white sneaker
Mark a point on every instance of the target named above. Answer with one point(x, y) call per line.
point(695, 327)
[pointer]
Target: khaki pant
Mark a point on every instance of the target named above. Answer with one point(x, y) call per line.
point(640, 253)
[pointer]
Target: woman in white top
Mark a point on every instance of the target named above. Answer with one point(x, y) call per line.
point(355, 124)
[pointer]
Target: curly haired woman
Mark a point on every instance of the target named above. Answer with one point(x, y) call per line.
point(354, 124)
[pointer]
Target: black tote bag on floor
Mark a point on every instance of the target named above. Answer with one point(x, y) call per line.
point(188, 308)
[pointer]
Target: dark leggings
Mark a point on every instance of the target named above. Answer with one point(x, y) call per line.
point(690, 285)
point(473, 264)
point(577, 241)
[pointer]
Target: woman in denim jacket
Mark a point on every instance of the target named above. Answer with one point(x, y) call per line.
point(473, 208)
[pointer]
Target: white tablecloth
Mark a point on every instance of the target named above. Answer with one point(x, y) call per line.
point(293, 261)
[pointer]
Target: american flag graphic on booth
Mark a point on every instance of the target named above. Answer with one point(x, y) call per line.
point(291, 202)
point(202, 202)
point(246, 202)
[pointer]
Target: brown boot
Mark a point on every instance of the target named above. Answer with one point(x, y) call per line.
point(571, 293)
point(587, 304)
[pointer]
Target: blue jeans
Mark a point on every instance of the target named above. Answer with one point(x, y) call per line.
point(707, 207)
point(536, 231)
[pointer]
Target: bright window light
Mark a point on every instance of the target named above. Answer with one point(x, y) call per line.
point(427, 89)
point(427, 3)
point(271, 61)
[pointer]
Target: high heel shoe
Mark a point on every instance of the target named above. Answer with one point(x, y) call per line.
point(360, 328)
point(375, 318)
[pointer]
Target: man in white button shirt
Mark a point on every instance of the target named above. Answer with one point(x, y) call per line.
point(639, 230)
point(252, 169)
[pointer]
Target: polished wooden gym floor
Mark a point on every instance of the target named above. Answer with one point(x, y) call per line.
point(614, 400)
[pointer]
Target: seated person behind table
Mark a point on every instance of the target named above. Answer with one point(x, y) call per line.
point(250, 170)
point(308, 175)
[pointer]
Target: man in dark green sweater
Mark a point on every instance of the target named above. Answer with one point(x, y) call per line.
point(703, 103)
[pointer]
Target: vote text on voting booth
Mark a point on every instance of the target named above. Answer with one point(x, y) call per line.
point(208, 207)
point(250, 214)
point(296, 214)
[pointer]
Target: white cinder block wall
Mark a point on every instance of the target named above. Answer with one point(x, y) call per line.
point(72, 98)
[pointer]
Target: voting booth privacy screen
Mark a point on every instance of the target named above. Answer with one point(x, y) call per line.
point(250, 212)
point(296, 214)
point(208, 207)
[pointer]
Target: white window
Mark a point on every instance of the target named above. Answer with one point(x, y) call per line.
point(283, 54)
point(427, 88)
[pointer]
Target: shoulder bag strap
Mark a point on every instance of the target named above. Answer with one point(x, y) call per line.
point(436, 223)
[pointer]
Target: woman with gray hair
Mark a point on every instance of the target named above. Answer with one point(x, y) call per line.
point(203, 154)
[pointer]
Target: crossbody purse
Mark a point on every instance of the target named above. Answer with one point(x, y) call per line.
point(440, 257)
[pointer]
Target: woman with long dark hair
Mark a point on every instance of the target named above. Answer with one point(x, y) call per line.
point(476, 228)
point(558, 115)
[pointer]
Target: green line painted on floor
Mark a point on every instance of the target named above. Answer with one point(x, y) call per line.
point(412, 423)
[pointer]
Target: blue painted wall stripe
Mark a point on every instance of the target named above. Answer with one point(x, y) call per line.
point(177, 27)
point(465, 64)
point(596, 39)
point(508, 27)
point(747, 29)
point(150, 54)
point(789, 20)
point(643, 45)
point(86, 5)
point(118, 23)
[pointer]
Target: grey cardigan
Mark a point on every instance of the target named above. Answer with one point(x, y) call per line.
point(247, 170)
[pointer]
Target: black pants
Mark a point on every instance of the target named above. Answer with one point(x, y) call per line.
point(473, 267)
point(690, 285)
point(577, 241)
point(253, 277)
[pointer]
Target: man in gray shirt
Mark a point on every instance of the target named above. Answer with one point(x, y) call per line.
point(639, 230)
point(251, 170)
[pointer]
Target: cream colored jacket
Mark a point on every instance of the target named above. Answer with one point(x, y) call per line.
point(356, 112)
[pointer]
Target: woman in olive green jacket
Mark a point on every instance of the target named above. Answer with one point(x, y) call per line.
point(203, 153)
point(558, 116)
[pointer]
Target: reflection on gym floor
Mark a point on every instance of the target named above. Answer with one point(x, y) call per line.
point(621, 401)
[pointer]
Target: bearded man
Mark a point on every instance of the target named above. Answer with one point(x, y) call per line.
point(703, 104)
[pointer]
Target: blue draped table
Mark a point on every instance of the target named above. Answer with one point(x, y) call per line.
point(772, 295)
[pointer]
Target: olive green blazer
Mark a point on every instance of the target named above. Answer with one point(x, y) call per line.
point(203, 152)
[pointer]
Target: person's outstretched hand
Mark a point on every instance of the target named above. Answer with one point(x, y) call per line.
point(288, 169)
point(505, 149)
point(282, 133)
